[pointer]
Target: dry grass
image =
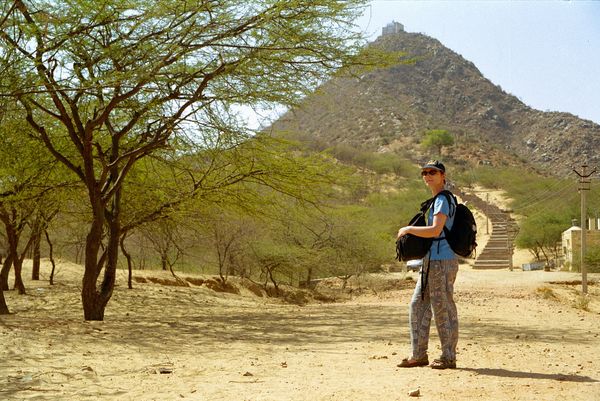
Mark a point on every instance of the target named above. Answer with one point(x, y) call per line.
point(582, 302)
point(327, 291)
point(546, 293)
point(566, 293)
point(169, 282)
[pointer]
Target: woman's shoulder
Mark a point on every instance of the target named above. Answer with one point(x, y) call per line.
point(441, 202)
point(443, 197)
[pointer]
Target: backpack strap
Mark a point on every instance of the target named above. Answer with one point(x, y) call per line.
point(452, 204)
point(452, 201)
point(426, 205)
point(425, 274)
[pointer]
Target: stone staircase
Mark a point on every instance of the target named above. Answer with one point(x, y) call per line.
point(497, 253)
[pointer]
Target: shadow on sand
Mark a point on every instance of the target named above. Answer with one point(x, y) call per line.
point(530, 375)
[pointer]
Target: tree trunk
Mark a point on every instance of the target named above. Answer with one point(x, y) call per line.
point(19, 285)
point(78, 250)
point(4, 272)
point(35, 270)
point(18, 263)
point(94, 299)
point(129, 263)
point(270, 271)
point(13, 232)
point(93, 307)
point(309, 276)
point(3, 307)
point(545, 255)
point(51, 256)
point(13, 254)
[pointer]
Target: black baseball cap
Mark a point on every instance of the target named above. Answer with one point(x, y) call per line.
point(434, 164)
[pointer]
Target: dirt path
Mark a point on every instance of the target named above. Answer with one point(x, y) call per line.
point(513, 344)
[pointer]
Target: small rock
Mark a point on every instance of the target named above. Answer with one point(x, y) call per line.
point(414, 393)
point(247, 374)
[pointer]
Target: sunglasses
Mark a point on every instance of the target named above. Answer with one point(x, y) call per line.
point(429, 172)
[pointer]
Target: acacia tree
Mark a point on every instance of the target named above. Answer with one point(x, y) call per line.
point(26, 182)
point(229, 236)
point(15, 224)
point(26, 188)
point(437, 139)
point(541, 233)
point(124, 78)
point(45, 213)
point(166, 241)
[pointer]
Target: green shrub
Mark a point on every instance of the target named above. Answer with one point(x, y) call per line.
point(592, 259)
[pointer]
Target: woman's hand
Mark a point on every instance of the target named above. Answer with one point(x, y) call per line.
point(432, 231)
point(403, 231)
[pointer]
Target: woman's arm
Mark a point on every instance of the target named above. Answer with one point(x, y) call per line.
point(431, 231)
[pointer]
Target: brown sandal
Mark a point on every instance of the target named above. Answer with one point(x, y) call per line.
point(443, 364)
point(413, 363)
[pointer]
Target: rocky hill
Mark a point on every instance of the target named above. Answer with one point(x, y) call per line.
point(391, 108)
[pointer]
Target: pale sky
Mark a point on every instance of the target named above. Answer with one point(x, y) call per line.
point(547, 53)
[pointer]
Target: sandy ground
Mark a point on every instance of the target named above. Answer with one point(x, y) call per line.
point(521, 338)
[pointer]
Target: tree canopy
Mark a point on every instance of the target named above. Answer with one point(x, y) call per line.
point(437, 139)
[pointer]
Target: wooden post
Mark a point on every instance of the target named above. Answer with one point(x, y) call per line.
point(584, 186)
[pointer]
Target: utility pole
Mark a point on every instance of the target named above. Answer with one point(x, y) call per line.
point(584, 185)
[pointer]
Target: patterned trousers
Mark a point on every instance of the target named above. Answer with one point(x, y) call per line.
point(438, 300)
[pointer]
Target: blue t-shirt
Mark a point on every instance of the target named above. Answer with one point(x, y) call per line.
point(440, 250)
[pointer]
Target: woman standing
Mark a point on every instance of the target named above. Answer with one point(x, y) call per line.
point(435, 288)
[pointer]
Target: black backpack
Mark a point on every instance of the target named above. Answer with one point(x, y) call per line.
point(462, 236)
point(412, 247)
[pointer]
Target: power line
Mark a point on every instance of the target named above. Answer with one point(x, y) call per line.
point(548, 195)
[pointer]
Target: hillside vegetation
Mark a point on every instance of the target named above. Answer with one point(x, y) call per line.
point(436, 88)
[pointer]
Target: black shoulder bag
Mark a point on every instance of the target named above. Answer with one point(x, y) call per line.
point(411, 247)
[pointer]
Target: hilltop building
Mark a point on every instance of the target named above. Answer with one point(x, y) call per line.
point(392, 28)
point(571, 240)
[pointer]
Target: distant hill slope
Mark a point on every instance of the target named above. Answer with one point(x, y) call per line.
point(391, 108)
